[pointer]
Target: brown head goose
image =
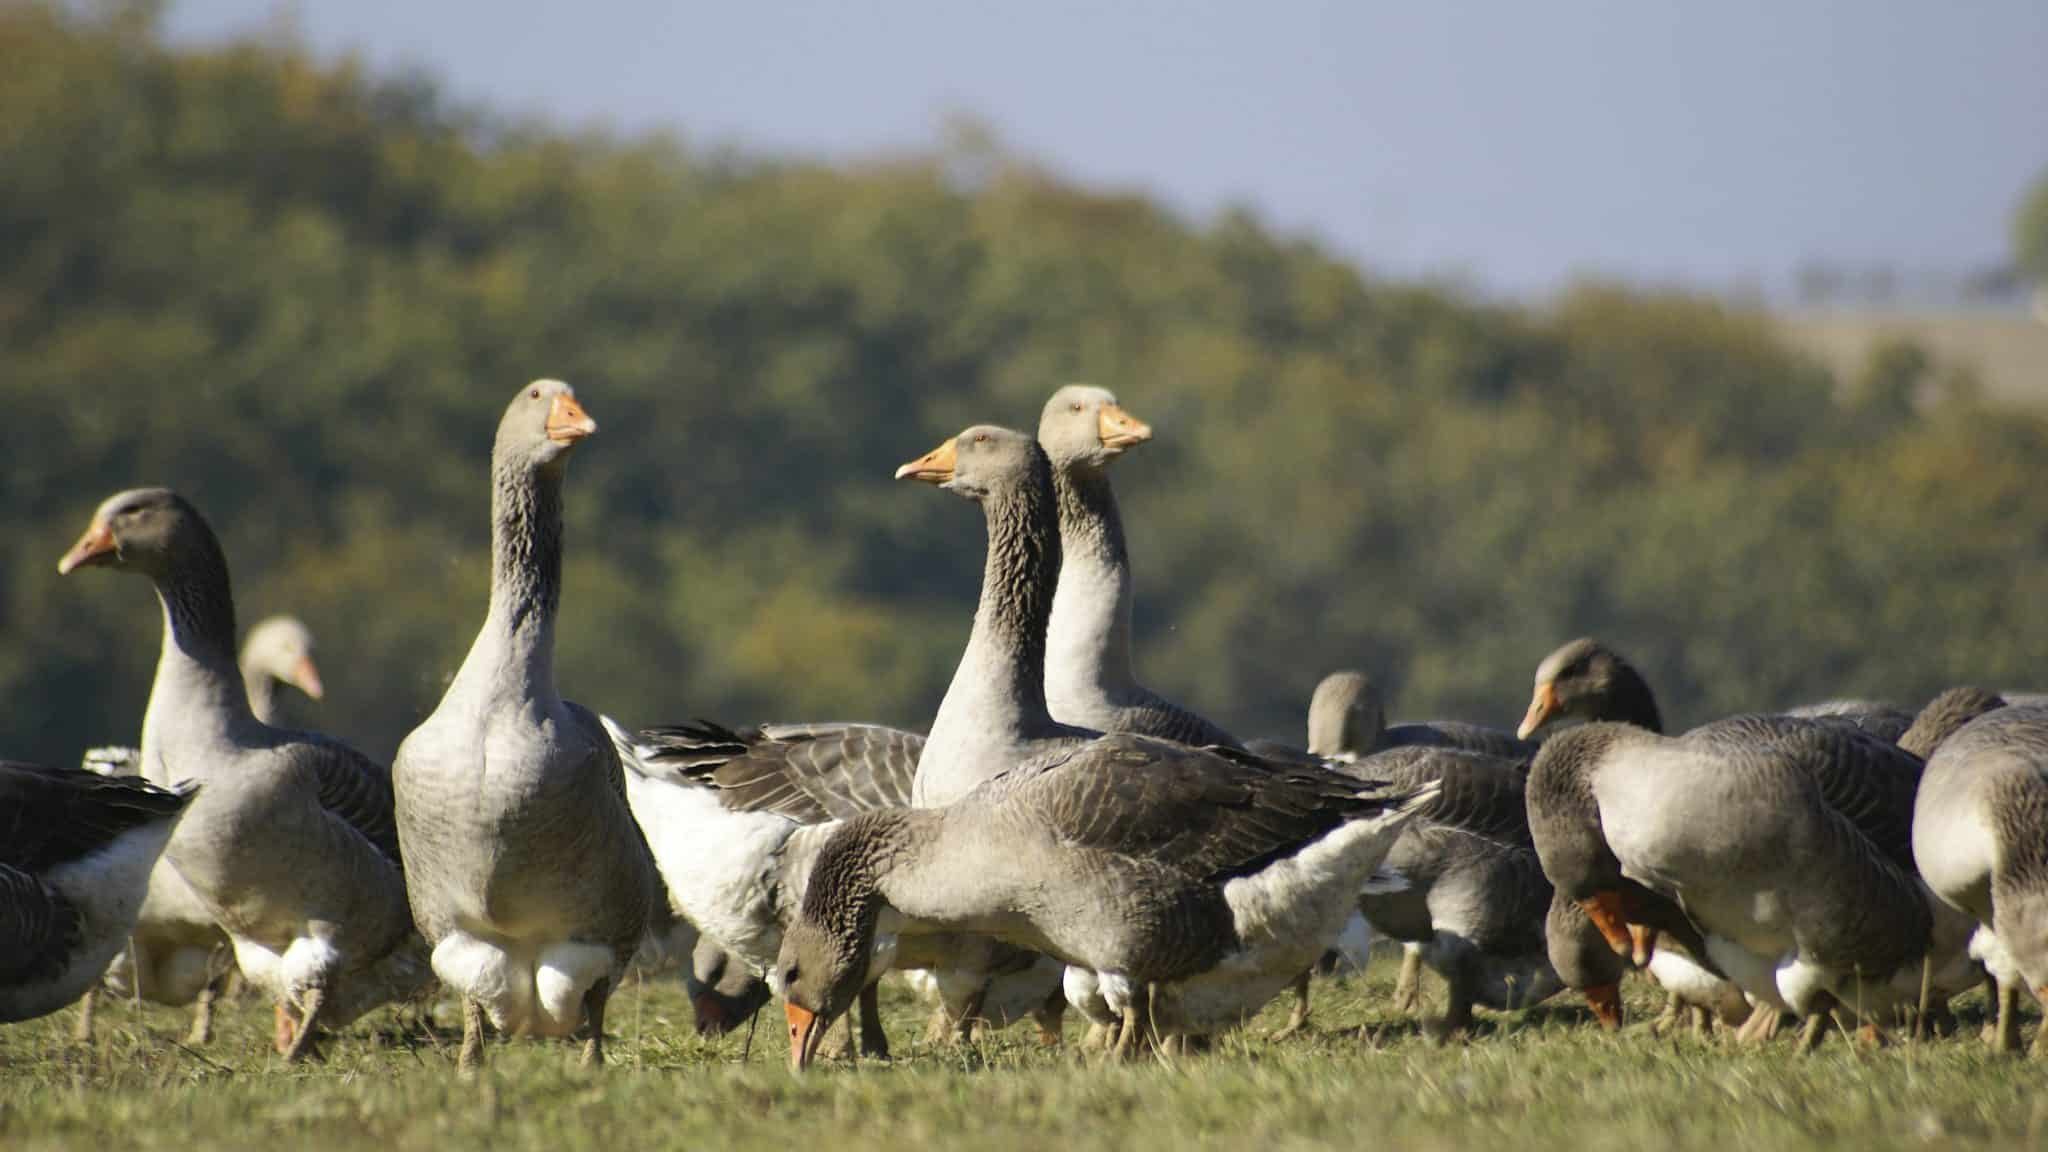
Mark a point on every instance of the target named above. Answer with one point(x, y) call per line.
point(76, 849)
point(1347, 721)
point(1980, 837)
point(528, 875)
point(290, 845)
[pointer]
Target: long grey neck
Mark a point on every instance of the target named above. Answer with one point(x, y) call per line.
point(516, 649)
point(198, 689)
point(1088, 640)
point(998, 691)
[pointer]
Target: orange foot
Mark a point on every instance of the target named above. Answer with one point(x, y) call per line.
point(285, 1029)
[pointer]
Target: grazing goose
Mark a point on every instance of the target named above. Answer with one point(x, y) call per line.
point(177, 955)
point(1980, 836)
point(1783, 841)
point(290, 845)
point(1347, 721)
point(1089, 681)
point(76, 850)
point(529, 877)
point(735, 820)
point(1174, 872)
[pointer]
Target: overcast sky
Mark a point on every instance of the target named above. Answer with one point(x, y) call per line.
point(1511, 144)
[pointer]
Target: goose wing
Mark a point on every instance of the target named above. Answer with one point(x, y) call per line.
point(806, 772)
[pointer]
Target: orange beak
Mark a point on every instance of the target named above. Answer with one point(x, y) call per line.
point(934, 467)
point(568, 422)
point(95, 547)
point(1541, 708)
point(306, 678)
point(1119, 429)
point(1644, 939)
point(806, 1033)
point(1605, 1001)
point(1604, 910)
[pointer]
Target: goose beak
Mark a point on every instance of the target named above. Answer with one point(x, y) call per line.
point(934, 467)
point(95, 547)
point(1604, 910)
point(1119, 429)
point(806, 1033)
point(1605, 1001)
point(306, 678)
point(1541, 709)
point(1644, 939)
point(568, 422)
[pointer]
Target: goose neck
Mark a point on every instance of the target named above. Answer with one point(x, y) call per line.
point(526, 566)
point(198, 684)
point(1002, 674)
point(1088, 638)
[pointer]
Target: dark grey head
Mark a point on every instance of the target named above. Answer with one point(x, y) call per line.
point(724, 993)
point(1346, 715)
point(1586, 680)
point(829, 947)
point(1084, 427)
point(981, 461)
point(541, 425)
point(1945, 715)
point(146, 530)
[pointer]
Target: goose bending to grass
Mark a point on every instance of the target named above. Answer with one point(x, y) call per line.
point(1980, 836)
point(735, 819)
point(1175, 873)
point(1781, 841)
point(76, 850)
point(290, 844)
point(177, 955)
point(529, 877)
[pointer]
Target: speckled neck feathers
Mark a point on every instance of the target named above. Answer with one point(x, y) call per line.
point(1088, 638)
point(198, 684)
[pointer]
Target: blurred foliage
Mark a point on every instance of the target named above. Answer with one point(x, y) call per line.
point(302, 294)
point(2030, 233)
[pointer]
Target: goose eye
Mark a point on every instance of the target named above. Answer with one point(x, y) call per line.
point(534, 395)
point(1076, 406)
point(981, 439)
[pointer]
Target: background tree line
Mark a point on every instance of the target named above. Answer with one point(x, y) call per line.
point(302, 294)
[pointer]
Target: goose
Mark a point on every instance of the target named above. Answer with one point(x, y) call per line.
point(290, 844)
point(735, 819)
point(529, 877)
point(1980, 837)
point(1782, 841)
point(1173, 872)
point(1587, 680)
point(76, 850)
point(1089, 680)
point(176, 954)
point(1347, 721)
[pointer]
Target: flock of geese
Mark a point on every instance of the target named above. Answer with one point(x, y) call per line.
point(1061, 838)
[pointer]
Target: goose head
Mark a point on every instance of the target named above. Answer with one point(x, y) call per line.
point(981, 462)
point(1345, 716)
point(1571, 843)
point(145, 530)
point(281, 647)
point(1945, 715)
point(822, 967)
point(1084, 427)
point(724, 994)
point(1586, 680)
point(541, 425)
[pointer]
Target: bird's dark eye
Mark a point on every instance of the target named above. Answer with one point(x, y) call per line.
point(534, 394)
point(790, 976)
point(1077, 405)
point(981, 439)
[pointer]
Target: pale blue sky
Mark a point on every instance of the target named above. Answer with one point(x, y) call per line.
point(1511, 144)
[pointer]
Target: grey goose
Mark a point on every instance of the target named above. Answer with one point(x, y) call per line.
point(529, 877)
point(290, 845)
point(76, 849)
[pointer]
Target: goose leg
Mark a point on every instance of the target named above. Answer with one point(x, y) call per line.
point(82, 1031)
point(970, 1013)
point(1460, 980)
point(1702, 1021)
point(2006, 1038)
point(309, 1021)
point(202, 1014)
point(1126, 1044)
point(873, 1041)
point(1408, 984)
point(1761, 1026)
point(593, 1018)
point(471, 1055)
point(1816, 1030)
point(1297, 1019)
point(1668, 1018)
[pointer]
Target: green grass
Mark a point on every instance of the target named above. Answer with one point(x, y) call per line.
point(1542, 1079)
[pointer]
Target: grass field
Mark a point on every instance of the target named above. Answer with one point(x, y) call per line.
point(1543, 1079)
